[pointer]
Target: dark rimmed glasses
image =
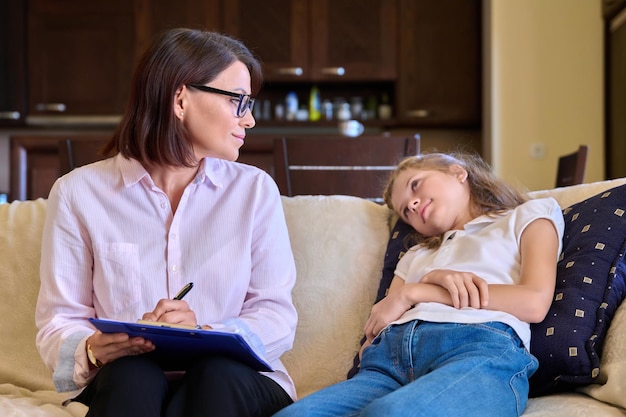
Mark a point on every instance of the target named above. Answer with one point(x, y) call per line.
point(245, 101)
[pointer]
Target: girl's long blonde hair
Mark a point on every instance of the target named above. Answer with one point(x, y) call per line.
point(488, 193)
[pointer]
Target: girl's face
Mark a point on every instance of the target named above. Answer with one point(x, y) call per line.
point(210, 118)
point(431, 201)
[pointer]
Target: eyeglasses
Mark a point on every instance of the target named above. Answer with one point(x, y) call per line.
point(245, 101)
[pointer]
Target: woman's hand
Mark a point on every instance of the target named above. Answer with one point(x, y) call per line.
point(106, 347)
point(172, 311)
point(466, 289)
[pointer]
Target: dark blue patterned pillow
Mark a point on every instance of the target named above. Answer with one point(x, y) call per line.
point(590, 286)
point(399, 242)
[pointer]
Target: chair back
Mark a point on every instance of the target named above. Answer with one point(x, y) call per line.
point(77, 152)
point(571, 168)
point(328, 165)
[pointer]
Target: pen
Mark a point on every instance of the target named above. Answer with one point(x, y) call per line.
point(183, 292)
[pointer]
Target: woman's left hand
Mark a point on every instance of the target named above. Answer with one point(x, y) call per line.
point(172, 311)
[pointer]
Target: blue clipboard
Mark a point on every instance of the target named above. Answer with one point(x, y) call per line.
point(176, 347)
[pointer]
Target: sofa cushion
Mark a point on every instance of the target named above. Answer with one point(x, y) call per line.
point(399, 242)
point(338, 244)
point(590, 287)
point(21, 223)
point(609, 386)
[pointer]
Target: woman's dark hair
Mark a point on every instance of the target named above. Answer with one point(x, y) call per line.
point(488, 193)
point(149, 131)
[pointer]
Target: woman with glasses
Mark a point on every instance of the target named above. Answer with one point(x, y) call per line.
point(168, 207)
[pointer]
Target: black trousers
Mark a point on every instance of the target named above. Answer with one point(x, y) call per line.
point(136, 386)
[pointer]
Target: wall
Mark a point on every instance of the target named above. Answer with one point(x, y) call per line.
point(544, 76)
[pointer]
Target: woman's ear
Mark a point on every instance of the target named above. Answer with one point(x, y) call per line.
point(179, 103)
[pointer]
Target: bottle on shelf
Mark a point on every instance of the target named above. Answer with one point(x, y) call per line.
point(371, 107)
point(315, 108)
point(291, 106)
point(384, 108)
point(302, 115)
point(344, 111)
point(267, 110)
point(356, 107)
point(279, 112)
point(327, 106)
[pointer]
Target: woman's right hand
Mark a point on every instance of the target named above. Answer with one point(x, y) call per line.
point(106, 347)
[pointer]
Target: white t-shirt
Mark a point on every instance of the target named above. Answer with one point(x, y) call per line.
point(488, 247)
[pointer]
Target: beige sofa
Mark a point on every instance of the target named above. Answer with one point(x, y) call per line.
point(339, 243)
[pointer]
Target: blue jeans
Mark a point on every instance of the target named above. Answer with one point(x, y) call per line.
point(431, 369)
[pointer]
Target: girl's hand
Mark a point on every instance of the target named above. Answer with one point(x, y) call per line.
point(385, 311)
point(466, 289)
point(363, 346)
point(106, 347)
point(172, 311)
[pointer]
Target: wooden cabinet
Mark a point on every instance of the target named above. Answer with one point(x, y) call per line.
point(424, 55)
point(277, 34)
point(34, 167)
point(80, 56)
point(152, 16)
point(361, 38)
point(439, 77)
point(318, 40)
point(74, 58)
point(12, 62)
point(35, 164)
point(37, 161)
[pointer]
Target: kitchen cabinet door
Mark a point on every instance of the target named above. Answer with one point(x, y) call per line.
point(81, 56)
point(276, 31)
point(317, 40)
point(439, 77)
point(153, 16)
point(12, 62)
point(353, 40)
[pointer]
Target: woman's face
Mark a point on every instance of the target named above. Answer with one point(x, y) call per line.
point(210, 118)
point(431, 201)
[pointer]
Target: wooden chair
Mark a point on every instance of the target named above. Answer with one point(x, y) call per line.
point(326, 165)
point(77, 152)
point(571, 168)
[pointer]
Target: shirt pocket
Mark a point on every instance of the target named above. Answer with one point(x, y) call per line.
point(116, 278)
